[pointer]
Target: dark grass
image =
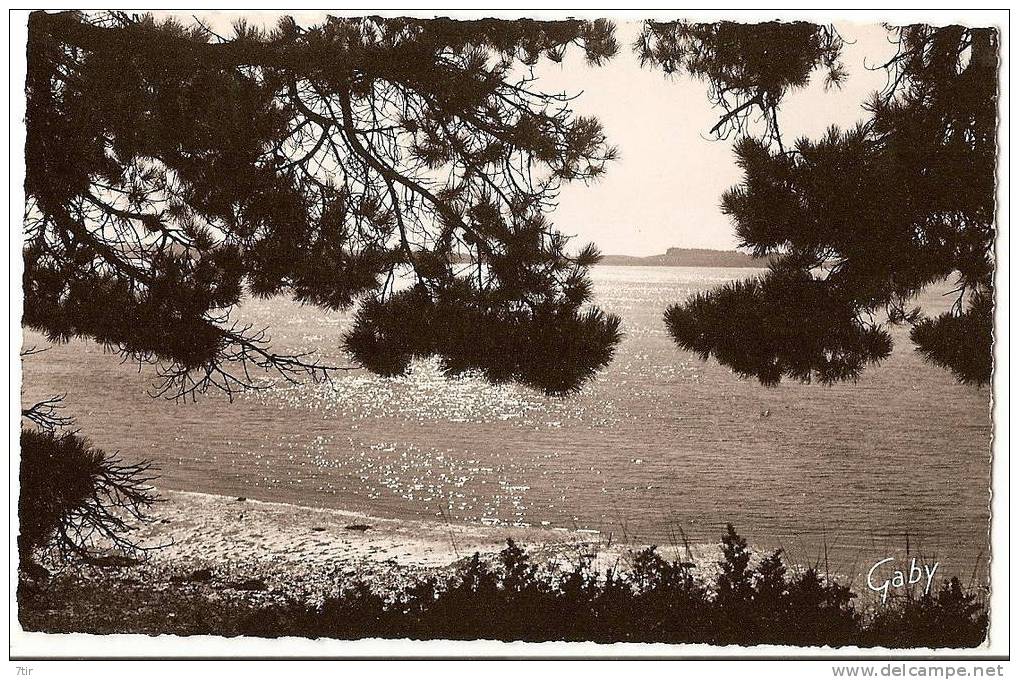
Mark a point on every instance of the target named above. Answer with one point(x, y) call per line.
point(512, 598)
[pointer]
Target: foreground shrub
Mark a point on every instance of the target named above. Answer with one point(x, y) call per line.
point(75, 497)
point(656, 600)
point(948, 618)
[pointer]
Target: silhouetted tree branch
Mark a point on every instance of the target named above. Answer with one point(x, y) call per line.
point(862, 219)
point(76, 499)
point(45, 414)
point(171, 172)
point(746, 66)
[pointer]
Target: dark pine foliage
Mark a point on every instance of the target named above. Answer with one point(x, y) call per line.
point(171, 171)
point(74, 497)
point(959, 341)
point(790, 323)
point(656, 600)
point(748, 68)
point(859, 221)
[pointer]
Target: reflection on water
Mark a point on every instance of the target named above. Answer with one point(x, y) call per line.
point(660, 445)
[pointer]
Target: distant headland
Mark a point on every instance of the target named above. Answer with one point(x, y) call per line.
point(689, 257)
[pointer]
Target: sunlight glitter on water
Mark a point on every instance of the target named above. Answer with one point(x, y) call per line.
point(424, 394)
point(658, 441)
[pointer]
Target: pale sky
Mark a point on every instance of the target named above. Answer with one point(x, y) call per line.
point(666, 186)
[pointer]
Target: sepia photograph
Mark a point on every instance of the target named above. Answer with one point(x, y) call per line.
point(560, 333)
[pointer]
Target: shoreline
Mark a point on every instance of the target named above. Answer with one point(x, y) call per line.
point(226, 547)
point(281, 550)
point(212, 557)
point(216, 564)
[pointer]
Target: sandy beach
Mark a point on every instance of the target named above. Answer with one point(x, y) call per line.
point(209, 559)
point(242, 546)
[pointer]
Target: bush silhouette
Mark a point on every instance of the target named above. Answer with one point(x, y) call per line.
point(656, 600)
point(947, 618)
point(75, 497)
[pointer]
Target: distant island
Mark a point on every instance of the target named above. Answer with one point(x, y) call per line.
point(689, 257)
